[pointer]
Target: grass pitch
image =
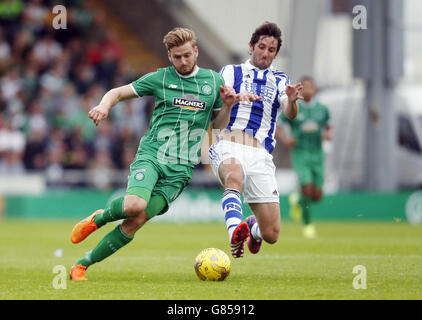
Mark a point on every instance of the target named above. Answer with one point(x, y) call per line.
point(158, 263)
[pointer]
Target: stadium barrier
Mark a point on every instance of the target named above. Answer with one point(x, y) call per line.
point(204, 205)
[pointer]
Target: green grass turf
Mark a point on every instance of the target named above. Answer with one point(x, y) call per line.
point(158, 264)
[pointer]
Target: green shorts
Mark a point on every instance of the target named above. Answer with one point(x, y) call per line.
point(309, 168)
point(149, 178)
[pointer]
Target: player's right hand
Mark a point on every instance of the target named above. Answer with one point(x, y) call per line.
point(98, 113)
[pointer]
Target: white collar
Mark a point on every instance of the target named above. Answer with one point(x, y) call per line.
point(250, 66)
point(192, 74)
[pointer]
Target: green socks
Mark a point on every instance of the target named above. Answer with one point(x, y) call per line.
point(305, 203)
point(112, 242)
point(111, 213)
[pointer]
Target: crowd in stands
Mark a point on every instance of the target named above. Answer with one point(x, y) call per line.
point(50, 79)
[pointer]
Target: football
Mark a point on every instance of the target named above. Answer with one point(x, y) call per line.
point(212, 264)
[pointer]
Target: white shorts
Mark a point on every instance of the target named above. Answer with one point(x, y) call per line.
point(259, 184)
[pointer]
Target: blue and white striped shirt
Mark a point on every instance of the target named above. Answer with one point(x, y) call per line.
point(257, 118)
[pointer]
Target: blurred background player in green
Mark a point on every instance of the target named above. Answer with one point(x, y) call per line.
point(304, 136)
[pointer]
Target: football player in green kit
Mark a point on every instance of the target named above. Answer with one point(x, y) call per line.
point(307, 131)
point(187, 100)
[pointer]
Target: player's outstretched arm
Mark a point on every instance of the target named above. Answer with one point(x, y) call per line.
point(230, 98)
point(111, 98)
point(290, 106)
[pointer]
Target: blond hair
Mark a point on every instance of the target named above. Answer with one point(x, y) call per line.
point(178, 37)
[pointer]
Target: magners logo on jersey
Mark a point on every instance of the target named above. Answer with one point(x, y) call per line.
point(189, 101)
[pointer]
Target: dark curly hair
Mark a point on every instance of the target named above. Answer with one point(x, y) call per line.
point(267, 29)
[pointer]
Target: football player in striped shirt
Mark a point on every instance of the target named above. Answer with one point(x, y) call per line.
point(186, 99)
point(241, 158)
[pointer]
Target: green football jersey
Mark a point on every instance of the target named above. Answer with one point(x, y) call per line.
point(308, 125)
point(182, 113)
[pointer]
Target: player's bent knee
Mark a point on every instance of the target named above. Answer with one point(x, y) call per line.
point(234, 179)
point(134, 205)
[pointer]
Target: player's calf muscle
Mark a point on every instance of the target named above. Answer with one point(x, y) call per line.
point(270, 234)
point(133, 224)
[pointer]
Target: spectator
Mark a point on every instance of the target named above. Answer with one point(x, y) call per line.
point(82, 16)
point(107, 69)
point(94, 52)
point(37, 121)
point(15, 111)
point(54, 170)
point(10, 10)
point(50, 80)
point(30, 80)
point(124, 147)
point(77, 154)
point(81, 121)
point(76, 51)
point(36, 15)
point(35, 151)
point(11, 83)
point(54, 79)
point(68, 101)
point(12, 145)
point(101, 171)
point(111, 44)
point(83, 75)
point(3, 103)
point(5, 52)
point(22, 45)
point(47, 50)
point(56, 140)
point(133, 116)
point(104, 137)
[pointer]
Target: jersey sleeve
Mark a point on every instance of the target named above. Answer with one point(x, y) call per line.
point(144, 86)
point(284, 82)
point(227, 72)
point(218, 101)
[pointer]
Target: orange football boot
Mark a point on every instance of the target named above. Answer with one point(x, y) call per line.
point(77, 273)
point(84, 228)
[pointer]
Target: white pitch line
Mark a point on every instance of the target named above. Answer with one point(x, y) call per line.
point(259, 257)
point(292, 257)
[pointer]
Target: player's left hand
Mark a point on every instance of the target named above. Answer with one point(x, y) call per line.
point(230, 97)
point(98, 113)
point(293, 92)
